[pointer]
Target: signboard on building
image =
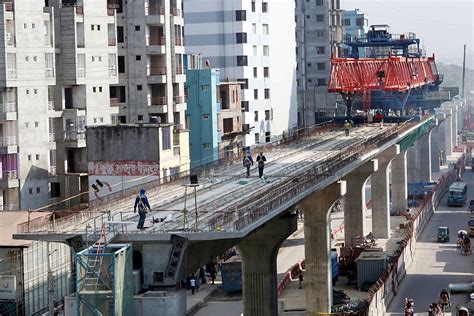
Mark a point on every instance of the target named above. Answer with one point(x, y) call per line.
point(110, 176)
point(7, 287)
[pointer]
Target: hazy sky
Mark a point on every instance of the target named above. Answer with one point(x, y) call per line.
point(443, 25)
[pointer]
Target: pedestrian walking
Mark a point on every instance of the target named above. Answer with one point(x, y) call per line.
point(261, 164)
point(347, 127)
point(213, 274)
point(192, 283)
point(202, 275)
point(248, 162)
point(141, 202)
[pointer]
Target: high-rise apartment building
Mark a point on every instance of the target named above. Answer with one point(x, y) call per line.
point(319, 35)
point(151, 71)
point(356, 26)
point(251, 42)
point(27, 80)
point(85, 33)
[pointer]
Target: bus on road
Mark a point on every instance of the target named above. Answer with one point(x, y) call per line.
point(457, 194)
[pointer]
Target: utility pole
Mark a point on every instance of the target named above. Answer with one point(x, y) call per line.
point(463, 73)
point(50, 283)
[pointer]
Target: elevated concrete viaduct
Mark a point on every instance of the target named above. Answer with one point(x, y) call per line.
point(263, 220)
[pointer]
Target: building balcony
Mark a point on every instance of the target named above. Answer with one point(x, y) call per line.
point(79, 9)
point(159, 105)
point(157, 75)
point(52, 170)
point(179, 41)
point(175, 11)
point(112, 41)
point(178, 100)
point(11, 73)
point(9, 7)
point(51, 137)
point(110, 11)
point(9, 179)
point(10, 39)
point(156, 41)
point(75, 139)
point(114, 102)
point(179, 70)
point(156, 46)
point(155, 10)
point(8, 111)
point(8, 141)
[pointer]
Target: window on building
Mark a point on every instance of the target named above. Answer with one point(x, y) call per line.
point(245, 106)
point(241, 38)
point(100, 89)
point(241, 15)
point(267, 93)
point(268, 137)
point(245, 83)
point(139, 87)
point(92, 27)
point(166, 138)
point(266, 72)
point(308, 16)
point(137, 27)
point(309, 64)
point(254, 28)
point(320, 50)
point(319, 33)
point(257, 137)
point(207, 146)
point(242, 61)
point(121, 64)
point(255, 116)
point(120, 34)
point(319, 18)
point(255, 94)
point(265, 29)
point(29, 157)
point(255, 50)
point(81, 65)
point(347, 22)
point(321, 82)
point(228, 125)
point(319, 2)
point(310, 80)
point(55, 189)
point(30, 190)
point(49, 58)
point(264, 7)
point(253, 5)
point(267, 115)
point(37, 157)
point(138, 57)
point(98, 27)
point(266, 50)
point(321, 66)
point(255, 72)
point(38, 189)
point(205, 117)
point(112, 65)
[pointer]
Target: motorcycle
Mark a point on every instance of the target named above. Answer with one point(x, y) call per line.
point(434, 310)
point(409, 307)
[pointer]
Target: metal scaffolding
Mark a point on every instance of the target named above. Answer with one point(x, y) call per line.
point(103, 274)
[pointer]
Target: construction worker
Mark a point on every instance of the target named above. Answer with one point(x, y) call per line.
point(248, 162)
point(261, 164)
point(141, 202)
point(347, 126)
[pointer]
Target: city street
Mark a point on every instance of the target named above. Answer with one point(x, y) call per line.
point(436, 265)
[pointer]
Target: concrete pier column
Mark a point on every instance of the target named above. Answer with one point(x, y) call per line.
point(454, 123)
point(413, 164)
point(424, 157)
point(259, 254)
point(434, 143)
point(442, 134)
point(399, 182)
point(448, 131)
point(381, 193)
point(354, 201)
point(318, 247)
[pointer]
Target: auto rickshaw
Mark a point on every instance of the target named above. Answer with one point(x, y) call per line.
point(443, 234)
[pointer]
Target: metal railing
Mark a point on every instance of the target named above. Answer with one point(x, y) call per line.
point(159, 101)
point(8, 141)
point(49, 73)
point(114, 101)
point(175, 11)
point(110, 12)
point(74, 135)
point(9, 175)
point(81, 72)
point(112, 71)
point(178, 99)
point(152, 41)
point(156, 10)
point(179, 41)
point(11, 73)
point(52, 170)
point(179, 70)
point(9, 7)
point(157, 71)
point(79, 9)
point(9, 106)
point(50, 105)
point(52, 137)
point(112, 41)
point(10, 39)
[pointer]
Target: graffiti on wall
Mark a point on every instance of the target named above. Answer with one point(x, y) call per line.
point(124, 168)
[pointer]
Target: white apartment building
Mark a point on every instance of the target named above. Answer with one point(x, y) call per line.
point(251, 41)
point(27, 75)
point(319, 35)
point(151, 73)
point(85, 32)
point(57, 62)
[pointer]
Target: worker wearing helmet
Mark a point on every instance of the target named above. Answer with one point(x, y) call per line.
point(347, 126)
point(141, 202)
point(463, 311)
